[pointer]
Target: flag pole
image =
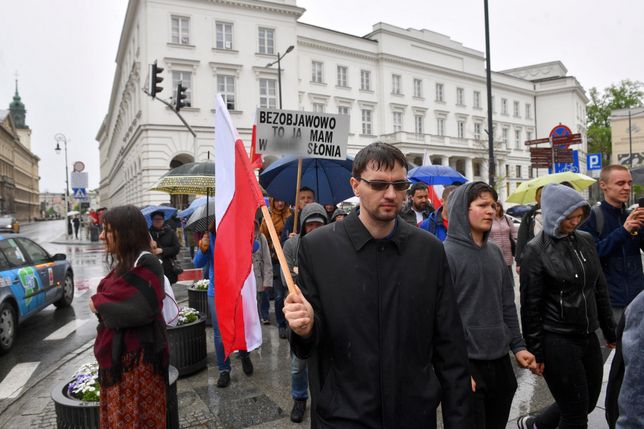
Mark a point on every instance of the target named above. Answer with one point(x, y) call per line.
point(278, 249)
point(297, 194)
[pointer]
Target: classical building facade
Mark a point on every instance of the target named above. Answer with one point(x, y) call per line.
point(18, 165)
point(627, 139)
point(416, 89)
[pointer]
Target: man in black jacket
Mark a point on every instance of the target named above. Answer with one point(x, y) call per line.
point(166, 244)
point(381, 331)
point(419, 207)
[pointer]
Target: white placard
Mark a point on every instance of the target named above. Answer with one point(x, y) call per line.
point(79, 180)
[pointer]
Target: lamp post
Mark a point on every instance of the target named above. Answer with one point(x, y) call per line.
point(60, 138)
point(279, 70)
point(488, 80)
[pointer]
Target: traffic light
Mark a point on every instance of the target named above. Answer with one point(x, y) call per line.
point(154, 80)
point(181, 95)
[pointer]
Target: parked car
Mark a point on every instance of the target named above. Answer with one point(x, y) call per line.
point(30, 280)
point(8, 223)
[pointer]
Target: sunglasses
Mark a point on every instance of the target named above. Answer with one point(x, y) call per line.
point(381, 185)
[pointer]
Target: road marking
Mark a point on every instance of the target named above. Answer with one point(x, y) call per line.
point(64, 331)
point(15, 381)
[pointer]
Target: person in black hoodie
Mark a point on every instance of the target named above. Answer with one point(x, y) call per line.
point(564, 300)
point(166, 245)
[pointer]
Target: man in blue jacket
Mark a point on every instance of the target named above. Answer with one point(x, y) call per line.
point(618, 238)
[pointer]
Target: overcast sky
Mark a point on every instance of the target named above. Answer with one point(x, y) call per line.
point(64, 51)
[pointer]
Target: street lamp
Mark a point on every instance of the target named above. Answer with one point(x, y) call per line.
point(60, 138)
point(279, 70)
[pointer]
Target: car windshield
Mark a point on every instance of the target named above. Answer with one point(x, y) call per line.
point(5, 219)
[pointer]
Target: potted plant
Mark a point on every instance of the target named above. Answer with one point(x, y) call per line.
point(198, 298)
point(187, 342)
point(77, 401)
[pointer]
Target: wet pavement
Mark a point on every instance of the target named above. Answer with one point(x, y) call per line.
point(57, 342)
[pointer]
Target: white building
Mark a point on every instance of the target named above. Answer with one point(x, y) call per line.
point(416, 89)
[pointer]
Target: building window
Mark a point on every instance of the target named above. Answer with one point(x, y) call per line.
point(316, 72)
point(460, 129)
point(226, 87)
point(318, 107)
point(477, 131)
point(439, 92)
point(342, 76)
point(517, 139)
point(266, 41)
point(223, 35)
point(504, 106)
point(343, 110)
point(516, 109)
point(418, 88)
point(507, 170)
point(477, 169)
point(366, 122)
point(419, 124)
point(267, 93)
point(181, 30)
point(398, 120)
point(365, 80)
point(440, 126)
point(477, 100)
point(460, 97)
point(504, 136)
point(185, 78)
point(395, 84)
point(528, 111)
point(518, 171)
point(528, 135)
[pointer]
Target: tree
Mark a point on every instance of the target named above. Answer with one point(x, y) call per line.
point(627, 94)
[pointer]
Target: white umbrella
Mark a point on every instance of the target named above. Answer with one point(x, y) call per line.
point(73, 213)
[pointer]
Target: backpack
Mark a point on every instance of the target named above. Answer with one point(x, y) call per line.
point(599, 219)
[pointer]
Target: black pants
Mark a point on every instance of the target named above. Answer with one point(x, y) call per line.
point(573, 369)
point(495, 387)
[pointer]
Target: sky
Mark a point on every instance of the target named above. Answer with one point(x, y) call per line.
point(64, 51)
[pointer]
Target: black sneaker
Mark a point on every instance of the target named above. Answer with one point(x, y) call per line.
point(247, 365)
point(525, 422)
point(283, 332)
point(224, 379)
point(297, 413)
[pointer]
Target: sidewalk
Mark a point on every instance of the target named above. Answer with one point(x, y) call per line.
point(70, 240)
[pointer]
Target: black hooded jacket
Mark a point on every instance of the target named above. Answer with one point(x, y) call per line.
point(168, 241)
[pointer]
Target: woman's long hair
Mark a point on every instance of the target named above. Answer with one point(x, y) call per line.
point(130, 236)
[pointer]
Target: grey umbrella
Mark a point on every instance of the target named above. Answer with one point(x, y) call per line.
point(201, 217)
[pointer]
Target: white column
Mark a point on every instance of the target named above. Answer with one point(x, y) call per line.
point(445, 161)
point(484, 170)
point(469, 168)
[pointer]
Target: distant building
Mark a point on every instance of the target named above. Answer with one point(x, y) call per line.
point(627, 140)
point(416, 89)
point(52, 205)
point(18, 165)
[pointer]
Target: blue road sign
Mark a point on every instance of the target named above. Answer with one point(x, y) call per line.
point(573, 166)
point(79, 193)
point(594, 161)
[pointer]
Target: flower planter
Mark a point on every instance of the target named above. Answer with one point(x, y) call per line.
point(72, 413)
point(188, 346)
point(198, 299)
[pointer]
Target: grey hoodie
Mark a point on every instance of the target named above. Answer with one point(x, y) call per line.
point(292, 244)
point(557, 203)
point(483, 286)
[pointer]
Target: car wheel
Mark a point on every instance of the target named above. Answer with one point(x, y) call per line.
point(8, 326)
point(68, 292)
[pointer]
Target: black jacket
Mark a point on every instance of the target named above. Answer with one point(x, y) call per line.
point(409, 215)
point(563, 290)
point(168, 241)
point(387, 344)
point(526, 232)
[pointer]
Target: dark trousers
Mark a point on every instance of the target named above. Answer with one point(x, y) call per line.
point(495, 387)
point(280, 292)
point(573, 369)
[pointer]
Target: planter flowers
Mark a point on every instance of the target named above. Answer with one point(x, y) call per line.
point(187, 315)
point(198, 298)
point(201, 284)
point(84, 385)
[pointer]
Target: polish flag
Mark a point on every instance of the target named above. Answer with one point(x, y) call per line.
point(237, 198)
point(255, 158)
point(434, 191)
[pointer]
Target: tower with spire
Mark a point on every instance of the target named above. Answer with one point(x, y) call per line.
point(19, 115)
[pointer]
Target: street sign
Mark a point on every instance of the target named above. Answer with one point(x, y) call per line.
point(559, 140)
point(79, 193)
point(79, 180)
point(307, 134)
point(571, 165)
point(594, 161)
point(560, 131)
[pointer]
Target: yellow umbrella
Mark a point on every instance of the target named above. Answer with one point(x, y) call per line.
point(193, 178)
point(527, 191)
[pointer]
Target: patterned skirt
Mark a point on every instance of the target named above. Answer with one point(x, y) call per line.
point(137, 401)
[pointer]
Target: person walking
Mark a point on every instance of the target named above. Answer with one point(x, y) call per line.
point(306, 196)
point(380, 330)
point(166, 245)
point(131, 345)
point(76, 222)
point(504, 235)
point(263, 270)
point(564, 300)
point(419, 207)
point(485, 297)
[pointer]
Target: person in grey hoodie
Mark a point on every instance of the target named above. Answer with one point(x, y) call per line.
point(313, 216)
point(485, 299)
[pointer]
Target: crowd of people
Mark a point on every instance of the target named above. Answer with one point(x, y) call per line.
point(400, 306)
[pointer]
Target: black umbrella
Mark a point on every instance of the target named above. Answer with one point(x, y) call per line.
point(201, 217)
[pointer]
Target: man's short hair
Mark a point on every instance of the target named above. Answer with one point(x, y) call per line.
point(606, 171)
point(448, 190)
point(306, 188)
point(382, 155)
point(478, 189)
point(157, 213)
point(418, 186)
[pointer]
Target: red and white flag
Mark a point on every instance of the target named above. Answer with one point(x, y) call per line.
point(237, 198)
point(255, 158)
point(435, 192)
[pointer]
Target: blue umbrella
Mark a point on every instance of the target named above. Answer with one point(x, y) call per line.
point(518, 211)
point(329, 179)
point(168, 212)
point(436, 175)
point(198, 202)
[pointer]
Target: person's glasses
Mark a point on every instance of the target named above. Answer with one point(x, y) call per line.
point(381, 185)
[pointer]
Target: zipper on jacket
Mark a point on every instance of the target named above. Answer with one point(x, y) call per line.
point(583, 270)
point(561, 303)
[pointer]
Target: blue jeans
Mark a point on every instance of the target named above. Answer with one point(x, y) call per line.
point(278, 289)
point(223, 364)
point(264, 304)
point(299, 378)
